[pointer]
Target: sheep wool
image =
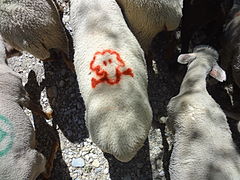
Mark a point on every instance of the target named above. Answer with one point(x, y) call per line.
point(33, 26)
point(146, 18)
point(112, 77)
point(203, 147)
point(17, 139)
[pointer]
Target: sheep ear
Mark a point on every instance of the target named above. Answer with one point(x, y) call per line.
point(186, 58)
point(218, 73)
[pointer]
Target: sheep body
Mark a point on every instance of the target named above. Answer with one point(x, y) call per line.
point(118, 114)
point(203, 146)
point(33, 26)
point(230, 56)
point(17, 139)
point(200, 13)
point(146, 18)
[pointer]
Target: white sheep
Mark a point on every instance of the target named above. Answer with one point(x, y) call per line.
point(146, 18)
point(19, 160)
point(203, 147)
point(112, 77)
point(34, 26)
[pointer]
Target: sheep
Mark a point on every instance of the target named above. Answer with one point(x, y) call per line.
point(146, 18)
point(230, 56)
point(34, 26)
point(203, 147)
point(112, 77)
point(200, 13)
point(19, 159)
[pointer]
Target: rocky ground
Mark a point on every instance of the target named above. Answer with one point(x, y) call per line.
point(56, 89)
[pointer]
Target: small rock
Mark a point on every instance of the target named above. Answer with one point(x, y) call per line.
point(97, 170)
point(106, 171)
point(79, 162)
point(52, 92)
point(84, 153)
point(74, 176)
point(161, 173)
point(61, 84)
point(86, 157)
point(140, 165)
point(127, 177)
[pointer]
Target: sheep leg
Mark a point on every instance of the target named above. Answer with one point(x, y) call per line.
point(49, 164)
point(233, 115)
point(68, 62)
point(10, 51)
point(55, 54)
point(37, 110)
point(59, 8)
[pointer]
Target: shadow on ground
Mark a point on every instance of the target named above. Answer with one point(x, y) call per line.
point(66, 101)
point(46, 135)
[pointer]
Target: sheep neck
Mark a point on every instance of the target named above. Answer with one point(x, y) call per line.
point(195, 78)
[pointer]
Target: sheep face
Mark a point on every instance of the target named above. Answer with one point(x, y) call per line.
point(207, 57)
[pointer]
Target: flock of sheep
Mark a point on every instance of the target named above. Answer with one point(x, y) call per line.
point(111, 42)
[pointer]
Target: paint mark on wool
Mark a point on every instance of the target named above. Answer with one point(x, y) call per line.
point(108, 67)
point(6, 136)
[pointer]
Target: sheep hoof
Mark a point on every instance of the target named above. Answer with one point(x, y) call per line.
point(48, 115)
point(49, 164)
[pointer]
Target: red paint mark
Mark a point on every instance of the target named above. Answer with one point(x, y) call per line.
point(105, 63)
point(114, 67)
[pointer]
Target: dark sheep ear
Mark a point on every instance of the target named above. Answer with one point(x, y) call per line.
point(186, 58)
point(218, 73)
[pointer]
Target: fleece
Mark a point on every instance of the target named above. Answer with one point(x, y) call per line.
point(19, 160)
point(203, 147)
point(33, 26)
point(112, 77)
point(146, 18)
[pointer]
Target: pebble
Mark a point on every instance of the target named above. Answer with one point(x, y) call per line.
point(127, 177)
point(96, 163)
point(74, 176)
point(52, 91)
point(79, 162)
point(161, 173)
point(61, 84)
point(106, 171)
point(97, 170)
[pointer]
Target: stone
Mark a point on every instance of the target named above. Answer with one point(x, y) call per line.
point(127, 177)
point(79, 162)
point(61, 84)
point(96, 163)
point(97, 170)
point(161, 173)
point(106, 171)
point(52, 92)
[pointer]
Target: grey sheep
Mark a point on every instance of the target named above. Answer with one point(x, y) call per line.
point(34, 26)
point(19, 160)
point(230, 56)
point(203, 147)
